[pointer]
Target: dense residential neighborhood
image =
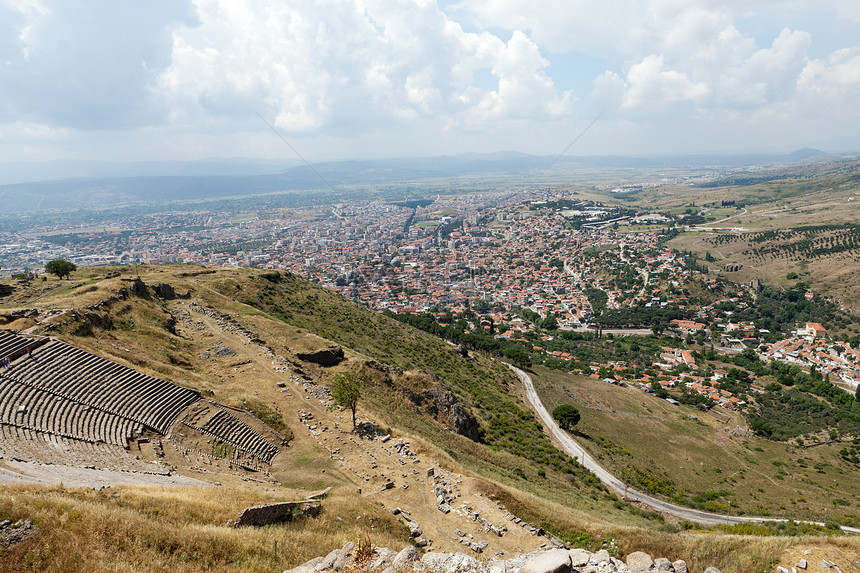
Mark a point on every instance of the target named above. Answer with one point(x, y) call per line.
point(523, 267)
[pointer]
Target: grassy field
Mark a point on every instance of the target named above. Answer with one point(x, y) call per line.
point(179, 529)
point(707, 460)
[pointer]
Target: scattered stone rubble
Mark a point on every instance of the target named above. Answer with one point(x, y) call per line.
point(14, 532)
point(227, 323)
point(384, 560)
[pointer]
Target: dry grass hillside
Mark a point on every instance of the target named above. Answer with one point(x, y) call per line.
point(710, 460)
point(254, 341)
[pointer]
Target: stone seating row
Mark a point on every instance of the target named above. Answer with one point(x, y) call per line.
point(33, 445)
point(13, 346)
point(84, 377)
point(31, 407)
point(225, 425)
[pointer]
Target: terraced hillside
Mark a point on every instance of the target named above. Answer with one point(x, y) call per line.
point(53, 392)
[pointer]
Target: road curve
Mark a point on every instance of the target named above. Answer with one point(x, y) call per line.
point(578, 452)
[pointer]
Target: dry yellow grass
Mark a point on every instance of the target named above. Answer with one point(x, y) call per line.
point(625, 428)
point(158, 529)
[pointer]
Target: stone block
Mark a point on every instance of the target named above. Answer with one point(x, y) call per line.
point(406, 557)
point(639, 562)
point(579, 557)
point(553, 561)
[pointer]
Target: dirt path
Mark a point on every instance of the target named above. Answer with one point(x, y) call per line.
point(16, 472)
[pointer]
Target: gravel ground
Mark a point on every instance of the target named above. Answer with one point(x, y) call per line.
point(14, 472)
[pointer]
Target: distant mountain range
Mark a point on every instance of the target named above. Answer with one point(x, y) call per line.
point(71, 185)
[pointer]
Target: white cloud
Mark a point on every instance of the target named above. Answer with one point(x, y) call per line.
point(660, 53)
point(836, 81)
point(84, 65)
point(334, 66)
point(649, 83)
point(490, 74)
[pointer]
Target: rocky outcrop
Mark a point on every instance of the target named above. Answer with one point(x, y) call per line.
point(444, 406)
point(331, 355)
point(17, 314)
point(91, 321)
point(385, 368)
point(167, 292)
point(138, 287)
point(384, 560)
point(164, 291)
point(170, 325)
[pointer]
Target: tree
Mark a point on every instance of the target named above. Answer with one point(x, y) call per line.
point(659, 391)
point(549, 323)
point(566, 415)
point(346, 390)
point(60, 267)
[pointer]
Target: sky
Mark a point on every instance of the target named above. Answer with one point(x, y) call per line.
point(124, 80)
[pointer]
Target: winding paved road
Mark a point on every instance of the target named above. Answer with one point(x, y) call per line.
point(575, 450)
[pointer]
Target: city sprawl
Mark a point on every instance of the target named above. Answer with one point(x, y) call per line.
point(537, 276)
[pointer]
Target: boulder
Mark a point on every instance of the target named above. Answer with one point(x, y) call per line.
point(406, 557)
point(638, 562)
point(663, 564)
point(579, 557)
point(308, 567)
point(553, 561)
point(328, 561)
point(414, 529)
point(383, 557)
point(479, 546)
point(344, 556)
point(680, 566)
point(460, 563)
point(331, 355)
point(801, 564)
point(601, 556)
point(434, 561)
point(712, 570)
